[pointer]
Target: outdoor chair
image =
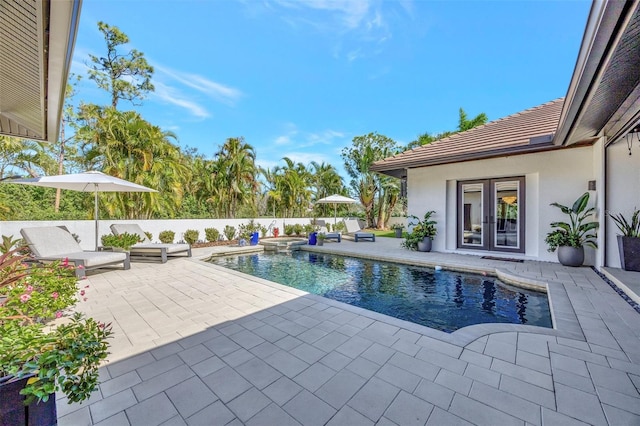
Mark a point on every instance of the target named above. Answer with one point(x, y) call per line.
point(323, 229)
point(147, 250)
point(353, 228)
point(51, 243)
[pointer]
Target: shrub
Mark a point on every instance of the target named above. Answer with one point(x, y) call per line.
point(211, 234)
point(191, 236)
point(149, 235)
point(339, 227)
point(167, 237)
point(123, 241)
point(288, 230)
point(297, 229)
point(309, 228)
point(229, 232)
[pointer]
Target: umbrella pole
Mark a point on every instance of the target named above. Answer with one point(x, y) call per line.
point(335, 214)
point(95, 213)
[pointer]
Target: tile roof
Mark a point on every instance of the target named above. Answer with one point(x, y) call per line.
point(526, 131)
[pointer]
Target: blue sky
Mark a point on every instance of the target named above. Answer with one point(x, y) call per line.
point(301, 78)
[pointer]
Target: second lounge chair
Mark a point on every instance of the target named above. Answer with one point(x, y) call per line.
point(146, 250)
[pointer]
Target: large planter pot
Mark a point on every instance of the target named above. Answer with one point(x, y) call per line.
point(398, 232)
point(629, 248)
point(425, 244)
point(13, 411)
point(571, 256)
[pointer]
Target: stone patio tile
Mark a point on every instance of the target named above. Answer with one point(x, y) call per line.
point(525, 374)
point(616, 416)
point(175, 421)
point(248, 404)
point(162, 382)
point(481, 414)
point(625, 366)
point(578, 354)
point(312, 335)
point(378, 353)
point(361, 322)
point(434, 393)
point(344, 317)
point(314, 376)
point(286, 363)
point(166, 350)
point(336, 361)
point(247, 339)
point(354, 346)
point(609, 378)
point(269, 333)
point(440, 346)
point(385, 422)
point(221, 345)
point(501, 350)
point(282, 390)
point(195, 354)
point(373, 398)
point(258, 372)
point(238, 357)
point(208, 366)
point(573, 343)
point(476, 358)
point(119, 384)
point(409, 336)
point(441, 360)
point(619, 400)
point(230, 329)
point(158, 367)
point(404, 346)
point(378, 336)
point(533, 361)
point(226, 383)
point(308, 353)
point(528, 391)
point(191, 396)
point(533, 343)
point(506, 402)
point(272, 415)
point(124, 366)
point(408, 410)
point(609, 352)
point(327, 326)
point(287, 343)
point(107, 407)
point(440, 417)
point(195, 339)
point(455, 382)
point(414, 365)
point(575, 366)
point(363, 367)
point(291, 328)
point(265, 349)
point(478, 345)
point(308, 409)
point(398, 377)
point(574, 381)
point(349, 416)
point(580, 405)
point(331, 341)
point(553, 418)
point(214, 414)
point(153, 411)
point(340, 388)
point(483, 375)
point(83, 417)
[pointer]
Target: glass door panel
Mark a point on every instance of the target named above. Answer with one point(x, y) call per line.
point(507, 217)
point(472, 214)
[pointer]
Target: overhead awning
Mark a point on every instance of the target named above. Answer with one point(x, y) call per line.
point(37, 38)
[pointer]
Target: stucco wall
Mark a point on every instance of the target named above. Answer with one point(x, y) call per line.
point(558, 176)
point(623, 191)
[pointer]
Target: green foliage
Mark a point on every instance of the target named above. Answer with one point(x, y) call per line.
point(627, 228)
point(289, 230)
point(321, 236)
point(339, 227)
point(167, 237)
point(298, 229)
point(398, 225)
point(229, 232)
point(211, 234)
point(245, 230)
point(578, 232)
point(123, 241)
point(191, 236)
point(149, 235)
point(65, 358)
point(9, 243)
point(421, 229)
point(464, 124)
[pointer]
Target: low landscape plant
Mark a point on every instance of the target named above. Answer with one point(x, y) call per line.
point(211, 234)
point(578, 232)
point(149, 235)
point(191, 236)
point(289, 230)
point(123, 241)
point(229, 232)
point(627, 228)
point(420, 229)
point(167, 237)
point(298, 229)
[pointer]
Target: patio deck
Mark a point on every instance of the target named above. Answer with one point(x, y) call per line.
point(198, 344)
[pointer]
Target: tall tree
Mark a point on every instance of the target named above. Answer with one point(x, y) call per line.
point(125, 75)
point(464, 124)
point(237, 172)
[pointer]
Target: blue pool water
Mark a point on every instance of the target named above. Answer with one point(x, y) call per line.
point(443, 300)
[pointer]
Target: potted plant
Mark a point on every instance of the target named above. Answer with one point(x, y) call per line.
point(320, 238)
point(422, 232)
point(122, 242)
point(40, 351)
point(569, 238)
point(629, 240)
point(398, 228)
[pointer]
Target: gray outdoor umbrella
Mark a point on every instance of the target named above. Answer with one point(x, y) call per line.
point(85, 182)
point(336, 199)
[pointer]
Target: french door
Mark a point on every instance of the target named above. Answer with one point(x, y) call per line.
point(491, 214)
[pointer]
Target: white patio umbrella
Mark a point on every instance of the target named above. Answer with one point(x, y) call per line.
point(85, 182)
point(336, 199)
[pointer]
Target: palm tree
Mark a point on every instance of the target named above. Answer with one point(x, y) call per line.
point(326, 181)
point(237, 170)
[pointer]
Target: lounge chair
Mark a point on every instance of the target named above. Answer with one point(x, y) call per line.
point(51, 243)
point(353, 228)
point(323, 229)
point(146, 250)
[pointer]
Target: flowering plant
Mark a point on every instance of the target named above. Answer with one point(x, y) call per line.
point(60, 356)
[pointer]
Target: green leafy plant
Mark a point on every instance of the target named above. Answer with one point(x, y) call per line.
point(298, 229)
point(229, 232)
point(191, 236)
point(123, 241)
point(421, 229)
point(211, 234)
point(578, 232)
point(9, 243)
point(149, 235)
point(308, 228)
point(627, 228)
point(321, 236)
point(289, 230)
point(398, 226)
point(55, 357)
point(339, 227)
point(167, 237)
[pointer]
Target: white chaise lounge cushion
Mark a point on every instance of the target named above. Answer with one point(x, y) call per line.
point(146, 247)
point(130, 228)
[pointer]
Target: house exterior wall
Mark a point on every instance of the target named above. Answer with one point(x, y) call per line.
point(623, 191)
point(556, 176)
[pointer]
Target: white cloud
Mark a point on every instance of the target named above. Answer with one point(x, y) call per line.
point(217, 91)
point(293, 136)
point(175, 97)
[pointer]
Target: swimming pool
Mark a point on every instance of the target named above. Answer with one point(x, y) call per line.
point(443, 300)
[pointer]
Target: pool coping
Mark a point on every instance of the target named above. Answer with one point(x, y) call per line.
point(564, 320)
